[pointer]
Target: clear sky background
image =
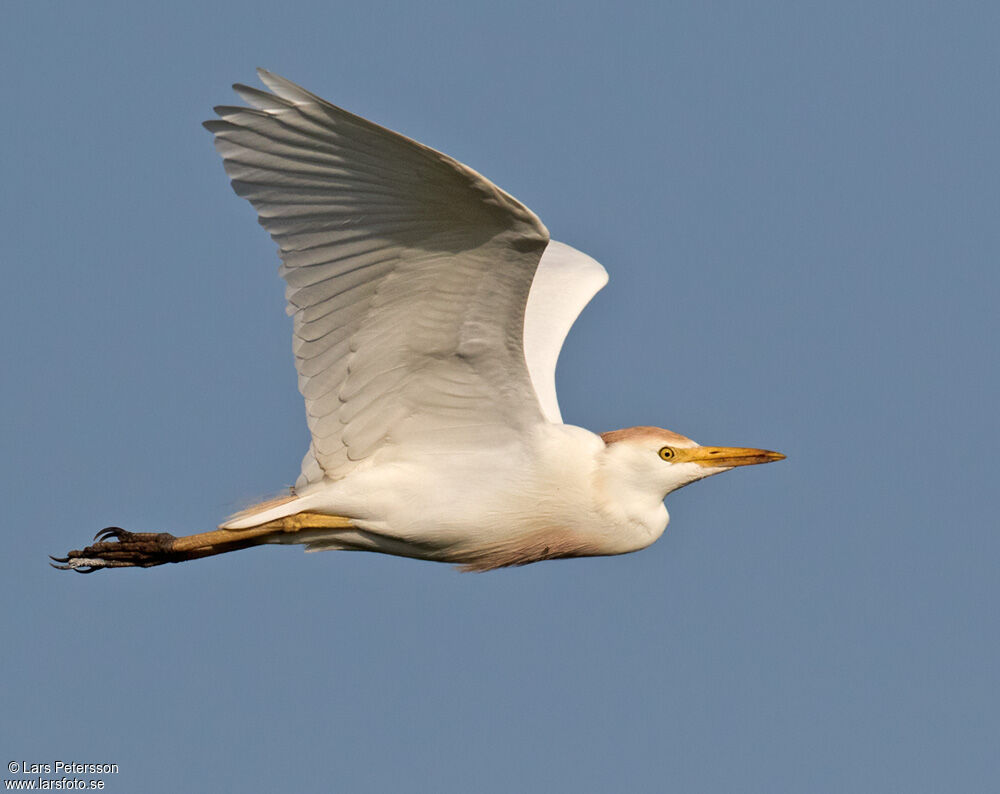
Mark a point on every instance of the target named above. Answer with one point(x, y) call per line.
point(799, 207)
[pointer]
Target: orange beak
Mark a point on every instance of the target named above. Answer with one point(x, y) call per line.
point(726, 457)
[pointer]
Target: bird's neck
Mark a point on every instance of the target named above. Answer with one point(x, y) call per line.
point(633, 506)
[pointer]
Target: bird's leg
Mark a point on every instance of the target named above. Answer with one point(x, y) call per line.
point(117, 548)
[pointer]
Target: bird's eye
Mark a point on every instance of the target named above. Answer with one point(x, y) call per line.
point(667, 453)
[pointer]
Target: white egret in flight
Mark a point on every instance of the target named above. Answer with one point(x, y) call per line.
point(429, 309)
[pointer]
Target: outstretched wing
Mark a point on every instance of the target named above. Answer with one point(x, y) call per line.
point(407, 276)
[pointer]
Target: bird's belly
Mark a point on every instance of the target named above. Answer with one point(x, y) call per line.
point(482, 509)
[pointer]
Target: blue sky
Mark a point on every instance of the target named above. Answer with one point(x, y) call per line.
point(797, 204)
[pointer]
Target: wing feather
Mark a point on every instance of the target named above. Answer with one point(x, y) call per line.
point(564, 283)
point(407, 276)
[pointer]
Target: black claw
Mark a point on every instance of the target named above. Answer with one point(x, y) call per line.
point(59, 559)
point(61, 567)
point(110, 532)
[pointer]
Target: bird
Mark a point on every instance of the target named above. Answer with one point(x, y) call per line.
point(429, 309)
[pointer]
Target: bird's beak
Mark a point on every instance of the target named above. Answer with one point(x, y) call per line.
point(726, 457)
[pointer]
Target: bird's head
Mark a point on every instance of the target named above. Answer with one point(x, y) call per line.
point(653, 457)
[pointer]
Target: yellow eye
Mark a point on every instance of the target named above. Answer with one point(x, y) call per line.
point(667, 453)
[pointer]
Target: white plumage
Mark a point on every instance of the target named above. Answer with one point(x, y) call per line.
point(429, 310)
point(407, 276)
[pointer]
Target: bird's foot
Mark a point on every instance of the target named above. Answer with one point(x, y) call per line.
point(117, 548)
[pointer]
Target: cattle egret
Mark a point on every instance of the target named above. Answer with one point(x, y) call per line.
point(429, 310)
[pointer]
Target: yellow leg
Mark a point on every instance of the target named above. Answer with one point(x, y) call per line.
point(288, 524)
